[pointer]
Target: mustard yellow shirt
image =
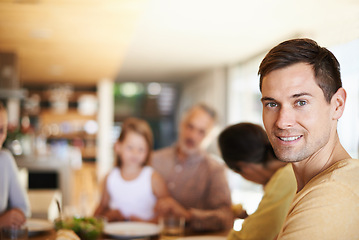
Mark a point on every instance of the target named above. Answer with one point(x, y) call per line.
point(327, 207)
point(266, 221)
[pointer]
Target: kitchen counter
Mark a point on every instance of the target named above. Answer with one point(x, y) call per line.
point(50, 164)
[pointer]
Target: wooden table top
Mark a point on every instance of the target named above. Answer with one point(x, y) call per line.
point(51, 235)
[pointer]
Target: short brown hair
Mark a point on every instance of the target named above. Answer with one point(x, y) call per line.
point(303, 50)
point(138, 126)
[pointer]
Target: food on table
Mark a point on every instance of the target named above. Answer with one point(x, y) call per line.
point(88, 228)
point(66, 234)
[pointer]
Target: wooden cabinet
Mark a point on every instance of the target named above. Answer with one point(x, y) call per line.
point(69, 126)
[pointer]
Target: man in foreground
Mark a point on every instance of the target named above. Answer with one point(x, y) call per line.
point(197, 182)
point(303, 99)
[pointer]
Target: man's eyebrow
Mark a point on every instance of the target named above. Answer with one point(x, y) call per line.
point(267, 99)
point(297, 95)
point(301, 95)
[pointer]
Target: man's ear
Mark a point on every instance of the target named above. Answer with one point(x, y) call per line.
point(338, 101)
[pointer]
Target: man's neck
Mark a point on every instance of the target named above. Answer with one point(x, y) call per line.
point(307, 169)
point(183, 156)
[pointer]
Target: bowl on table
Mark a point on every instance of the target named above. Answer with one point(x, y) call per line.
point(87, 228)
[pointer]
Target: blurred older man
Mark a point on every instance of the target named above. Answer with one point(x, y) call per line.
point(195, 180)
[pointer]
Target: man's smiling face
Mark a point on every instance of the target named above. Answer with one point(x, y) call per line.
point(296, 116)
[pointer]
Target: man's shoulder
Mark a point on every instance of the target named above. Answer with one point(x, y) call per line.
point(163, 154)
point(347, 168)
point(350, 161)
point(342, 176)
point(346, 172)
point(163, 151)
point(214, 162)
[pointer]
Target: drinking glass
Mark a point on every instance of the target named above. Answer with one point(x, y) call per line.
point(12, 233)
point(172, 227)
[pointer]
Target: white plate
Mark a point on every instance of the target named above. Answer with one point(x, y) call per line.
point(38, 225)
point(203, 238)
point(130, 230)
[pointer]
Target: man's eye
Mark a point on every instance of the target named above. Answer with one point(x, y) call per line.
point(301, 103)
point(271, 104)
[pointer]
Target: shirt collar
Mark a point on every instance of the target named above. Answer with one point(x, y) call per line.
point(195, 157)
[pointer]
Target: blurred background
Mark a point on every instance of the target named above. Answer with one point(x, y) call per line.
point(72, 70)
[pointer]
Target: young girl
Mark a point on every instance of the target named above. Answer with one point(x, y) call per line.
point(132, 188)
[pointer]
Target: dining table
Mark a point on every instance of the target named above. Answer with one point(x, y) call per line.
point(51, 235)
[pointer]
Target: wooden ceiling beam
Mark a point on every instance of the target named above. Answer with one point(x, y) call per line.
point(68, 41)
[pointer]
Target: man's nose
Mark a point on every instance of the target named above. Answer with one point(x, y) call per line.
point(194, 136)
point(285, 118)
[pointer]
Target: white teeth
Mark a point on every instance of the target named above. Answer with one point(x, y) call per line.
point(287, 139)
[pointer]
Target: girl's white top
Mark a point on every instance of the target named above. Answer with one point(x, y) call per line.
point(132, 198)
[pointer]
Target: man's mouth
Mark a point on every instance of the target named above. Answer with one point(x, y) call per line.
point(190, 142)
point(289, 139)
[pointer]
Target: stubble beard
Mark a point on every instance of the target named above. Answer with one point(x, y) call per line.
point(290, 154)
point(287, 155)
point(188, 150)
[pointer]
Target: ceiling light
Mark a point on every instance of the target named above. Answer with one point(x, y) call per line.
point(154, 89)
